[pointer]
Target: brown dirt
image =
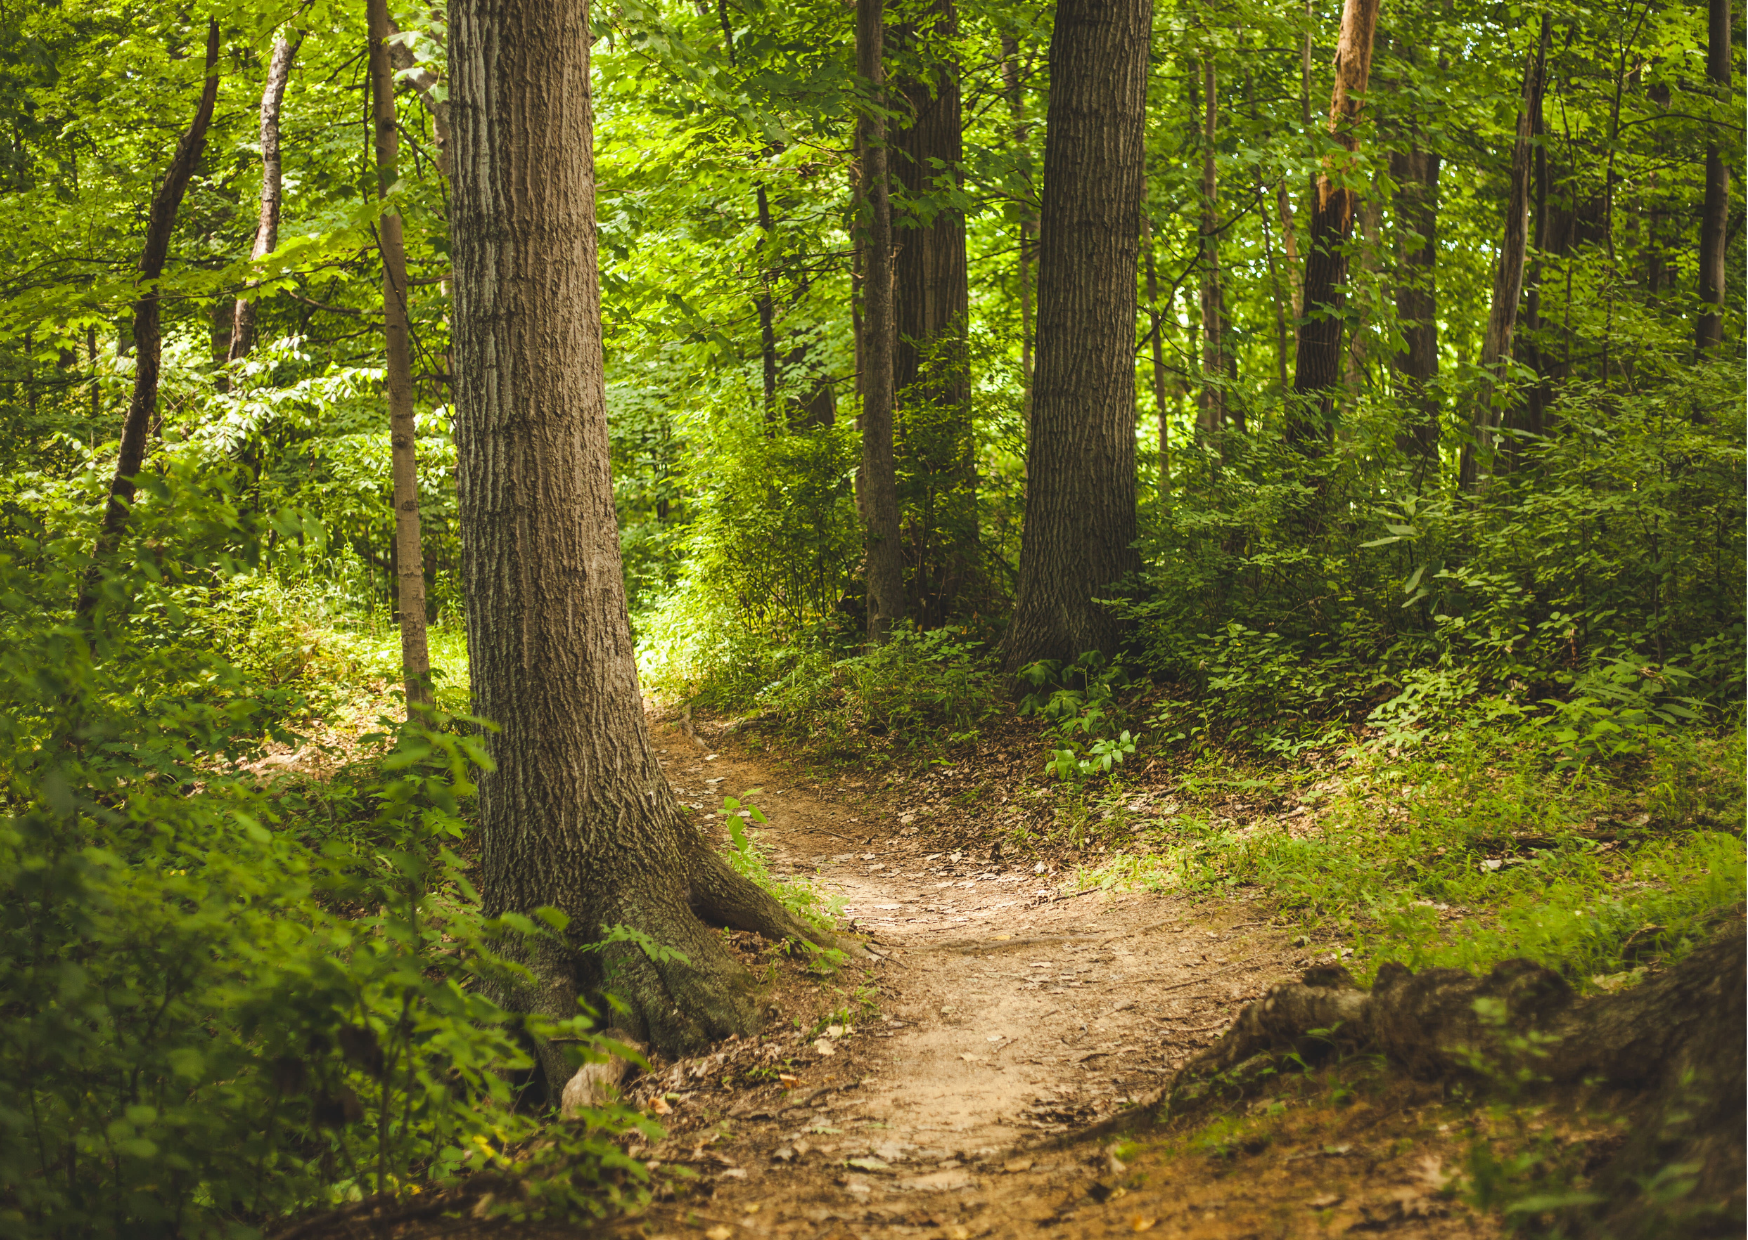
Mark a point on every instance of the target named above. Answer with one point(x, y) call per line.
point(999, 1018)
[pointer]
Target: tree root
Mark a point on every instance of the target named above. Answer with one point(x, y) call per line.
point(1677, 1039)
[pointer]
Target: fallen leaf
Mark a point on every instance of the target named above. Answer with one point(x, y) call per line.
point(1325, 1201)
point(1014, 1165)
point(823, 1047)
point(956, 1231)
point(870, 1164)
point(659, 1106)
point(752, 1207)
point(1142, 1224)
point(970, 1058)
point(784, 1078)
point(718, 1233)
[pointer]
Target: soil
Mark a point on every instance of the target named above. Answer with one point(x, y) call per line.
point(967, 1076)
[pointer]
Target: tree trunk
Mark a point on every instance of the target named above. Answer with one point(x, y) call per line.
point(577, 814)
point(932, 308)
point(1317, 369)
point(267, 224)
point(767, 316)
point(1714, 223)
point(1156, 323)
point(398, 368)
point(883, 548)
point(1507, 275)
point(1080, 462)
point(1213, 395)
point(1416, 175)
point(1010, 70)
point(147, 327)
point(426, 82)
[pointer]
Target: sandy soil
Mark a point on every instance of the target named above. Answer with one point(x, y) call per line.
point(998, 1018)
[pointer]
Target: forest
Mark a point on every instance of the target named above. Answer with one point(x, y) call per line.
point(554, 557)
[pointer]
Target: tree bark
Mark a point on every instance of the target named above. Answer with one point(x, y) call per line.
point(1416, 366)
point(147, 328)
point(398, 370)
point(1714, 222)
point(932, 309)
point(767, 315)
point(1317, 368)
point(267, 223)
point(577, 814)
point(883, 548)
point(1507, 275)
point(1080, 462)
point(1213, 395)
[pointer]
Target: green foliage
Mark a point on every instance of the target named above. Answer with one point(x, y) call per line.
point(1483, 849)
point(748, 859)
point(223, 1002)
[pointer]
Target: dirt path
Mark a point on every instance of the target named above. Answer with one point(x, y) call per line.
point(1007, 1017)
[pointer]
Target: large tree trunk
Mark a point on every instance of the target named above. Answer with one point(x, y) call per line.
point(1080, 462)
point(1713, 229)
point(1317, 368)
point(267, 223)
point(147, 327)
point(1213, 395)
point(1507, 275)
point(577, 814)
point(931, 372)
point(1416, 366)
point(883, 548)
point(398, 368)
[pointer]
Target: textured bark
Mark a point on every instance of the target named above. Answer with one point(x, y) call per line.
point(409, 557)
point(1507, 275)
point(1714, 221)
point(1317, 368)
point(932, 307)
point(1213, 395)
point(267, 223)
point(762, 303)
point(147, 327)
point(883, 549)
point(1080, 462)
point(577, 814)
point(1416, 366)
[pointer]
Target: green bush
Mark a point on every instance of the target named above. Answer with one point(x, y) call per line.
point(223, 1003)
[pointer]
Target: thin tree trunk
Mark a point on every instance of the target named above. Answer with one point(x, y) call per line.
point(1714, 222)
point(1080, 463)
point(1317, 369)
point(931, 363)
point(1010, 68)
point(883, 563)
point(1368, 218)
point(1156, 323)
point(1290, 247)
point(767, 316)
point(426, 82)
point(1507, 275)
point(396, 333)
point(1416, 366)
point(1213, 397)
point(147, 328)
point(267, 223)
point(576, 814)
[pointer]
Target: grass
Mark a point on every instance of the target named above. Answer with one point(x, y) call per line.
point(1462, 857)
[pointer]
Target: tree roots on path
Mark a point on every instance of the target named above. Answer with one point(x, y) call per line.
point(1673, 1045)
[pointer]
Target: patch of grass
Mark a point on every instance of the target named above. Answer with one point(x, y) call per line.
point(747, 858)
point(1477, 852)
